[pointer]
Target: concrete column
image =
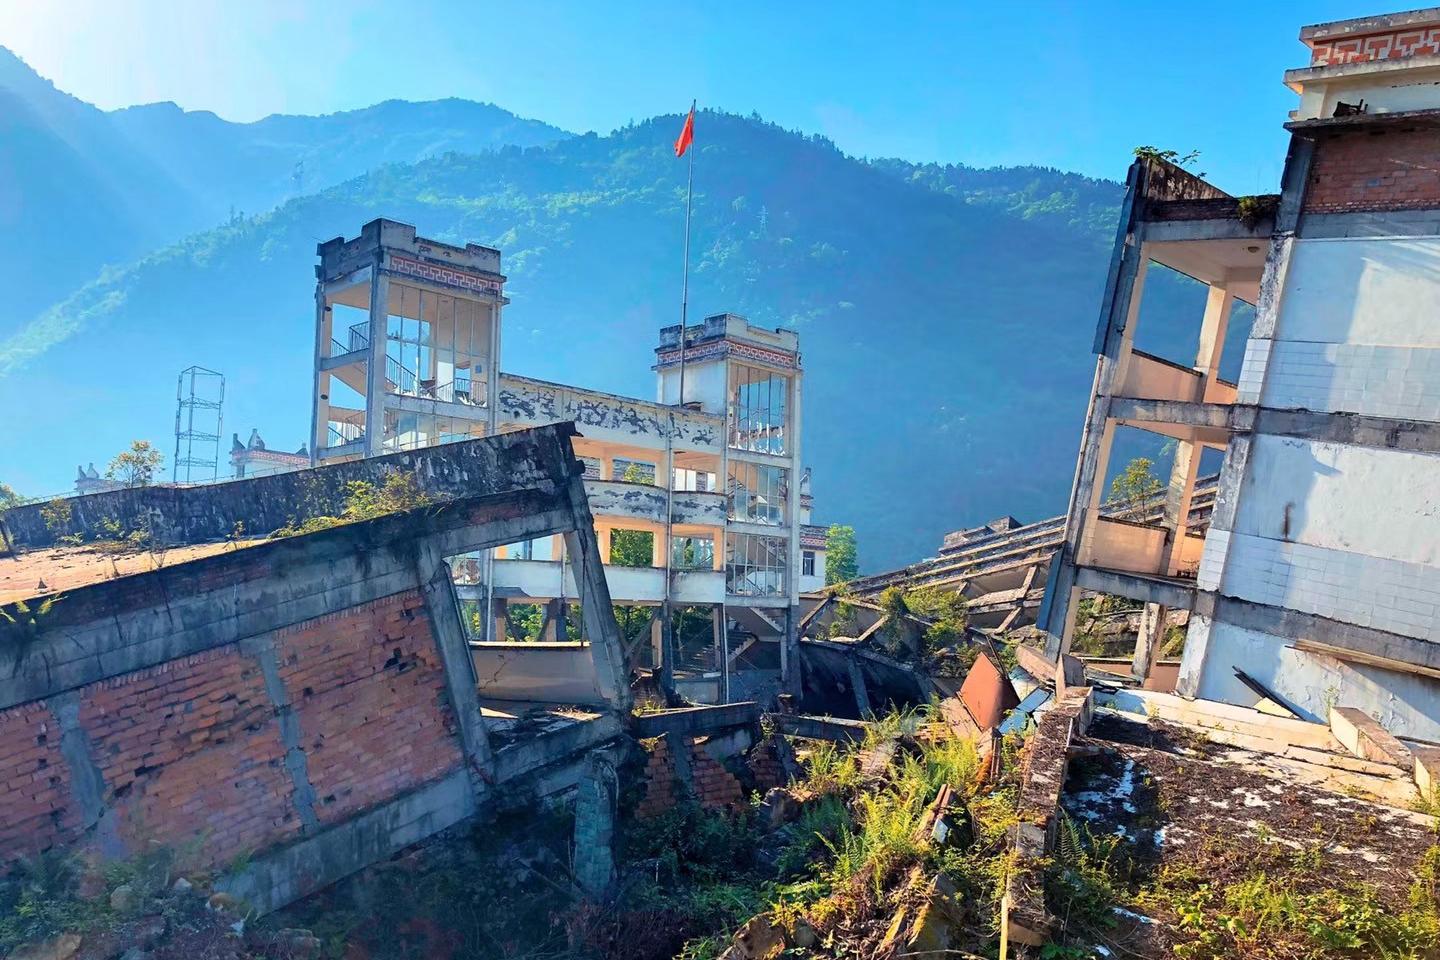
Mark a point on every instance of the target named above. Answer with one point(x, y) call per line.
point(1213, 327)
point(492, 373)
point(791, 678)
point(717, 636)
point(1148, 640)
point(657, 637)
point(594, 854)
point(606, 648)
point(554, 629)
point(1178, 497)
point(499, 610)
point(375, 367)
point(320, 408)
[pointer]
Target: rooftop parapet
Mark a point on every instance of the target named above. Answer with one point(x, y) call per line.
point(1171, 193)
point(726, 333)
point(471, 267)
point(1391, 36)
point(1368, 66)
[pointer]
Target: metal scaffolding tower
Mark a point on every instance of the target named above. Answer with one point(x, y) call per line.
point(198, 397)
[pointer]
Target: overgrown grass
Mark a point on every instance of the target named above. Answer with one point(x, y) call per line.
point(364, 501)
point(1238, 896)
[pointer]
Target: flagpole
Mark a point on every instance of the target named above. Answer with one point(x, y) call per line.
point(685, 281)
point(667, 627)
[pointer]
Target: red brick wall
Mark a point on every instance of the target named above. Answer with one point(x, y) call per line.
point(659, 779)
point(716, 788)
point(189, 751)
point(713, 785)
point(36, 811)
point(368, 687)
point(1394, 170)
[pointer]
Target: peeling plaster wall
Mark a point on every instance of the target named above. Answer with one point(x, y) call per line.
point(642, 501)
point(604, 416)
point(1356, 331)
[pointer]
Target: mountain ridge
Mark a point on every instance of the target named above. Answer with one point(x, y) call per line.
point(910, 287)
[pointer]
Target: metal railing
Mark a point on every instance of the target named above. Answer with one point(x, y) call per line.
point(357, 340)
point(401, 380)
point(341, 433)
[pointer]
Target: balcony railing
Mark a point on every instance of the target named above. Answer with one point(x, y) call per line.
point(341, 433)
point(357, 339)
point(401, 380)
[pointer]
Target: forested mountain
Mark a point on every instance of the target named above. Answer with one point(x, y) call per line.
point(945, 313)
point(81, 188)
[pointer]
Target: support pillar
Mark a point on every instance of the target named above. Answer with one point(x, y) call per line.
point(1148, 640)
point(791, 679)
point(657, 637)
point(500, 615)
point(554, 629)
point(857, 685)
point(1178, 497)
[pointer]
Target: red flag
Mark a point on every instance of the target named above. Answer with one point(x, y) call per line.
point(687, 135)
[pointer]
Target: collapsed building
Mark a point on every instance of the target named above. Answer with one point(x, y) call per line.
point(408, 348)
point(1317, 575)
point(304, 689)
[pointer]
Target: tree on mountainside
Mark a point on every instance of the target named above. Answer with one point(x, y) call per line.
point(8, 497)
point(137, 466)
point(842, 558)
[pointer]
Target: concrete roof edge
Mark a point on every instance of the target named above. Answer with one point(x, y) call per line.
point(1360, 26)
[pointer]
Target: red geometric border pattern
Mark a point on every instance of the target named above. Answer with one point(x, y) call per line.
point(443, 275)
point(1395, 45)
point(742, 351)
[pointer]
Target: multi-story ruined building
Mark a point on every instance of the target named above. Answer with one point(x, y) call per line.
point(1318, 580)
point(699, 496)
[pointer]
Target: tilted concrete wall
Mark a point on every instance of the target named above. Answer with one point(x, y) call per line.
point(509, 462)
point(308, 704)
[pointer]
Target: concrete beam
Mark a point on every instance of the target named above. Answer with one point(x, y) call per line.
point(537, 460)
point(283, 876)
point(1217, 416)
point(1386, 433)
point(1344, 641)
point(1176, 596)
point(695, 721)
point(820, 728)
point(1365, 738)
point(1219, 228)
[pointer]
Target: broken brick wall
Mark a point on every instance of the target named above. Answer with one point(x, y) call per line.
point(1363, 171)
point(236, 749)
point(717, 783)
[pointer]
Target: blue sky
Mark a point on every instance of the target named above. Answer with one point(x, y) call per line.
point(1074, 86)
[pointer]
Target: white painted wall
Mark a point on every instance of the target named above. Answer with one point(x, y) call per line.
point(1404, 704)
point(1356, 332)
point(1384, 503)
point(1349, 533)
point(704, 383)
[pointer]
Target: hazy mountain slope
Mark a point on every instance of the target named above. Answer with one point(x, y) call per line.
point(81, 188)
point(945, 340)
